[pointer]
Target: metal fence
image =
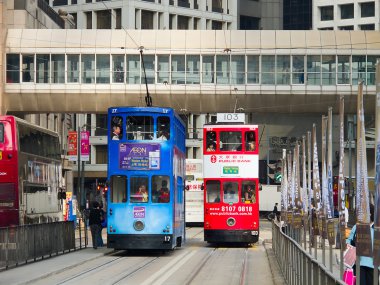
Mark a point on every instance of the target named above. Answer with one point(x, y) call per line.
point(298, 266)
point(28, 243)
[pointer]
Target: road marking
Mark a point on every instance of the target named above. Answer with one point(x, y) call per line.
point(166, 271)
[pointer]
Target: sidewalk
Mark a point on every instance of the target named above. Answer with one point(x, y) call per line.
point(31, 272)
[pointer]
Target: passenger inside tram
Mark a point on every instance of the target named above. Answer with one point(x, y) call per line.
point(250, 141)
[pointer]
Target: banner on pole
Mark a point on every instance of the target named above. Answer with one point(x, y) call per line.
point(85, 146)
point(72, 146)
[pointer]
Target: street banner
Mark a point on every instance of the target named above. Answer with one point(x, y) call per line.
point(284, 186)
point(363, 244)
point(324, 173)
point(310, 192)
point(376, 243)
point(290, 201)
point(72, 146)
point(305, 198)
point(329, 196)
point(297, 188)
point(341, 194)
point(85, 146)
point(316, 181)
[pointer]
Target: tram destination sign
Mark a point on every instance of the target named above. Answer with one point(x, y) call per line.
point(230, 118)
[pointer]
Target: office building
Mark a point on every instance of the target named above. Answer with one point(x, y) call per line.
point(345, 15)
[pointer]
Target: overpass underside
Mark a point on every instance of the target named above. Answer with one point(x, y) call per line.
point(87, 71)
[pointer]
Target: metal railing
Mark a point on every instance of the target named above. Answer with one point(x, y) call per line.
point(297, 266)
point(28, 243)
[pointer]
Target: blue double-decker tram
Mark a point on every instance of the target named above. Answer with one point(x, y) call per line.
point(146, 170)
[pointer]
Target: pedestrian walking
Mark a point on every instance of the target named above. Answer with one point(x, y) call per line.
point(95, 223)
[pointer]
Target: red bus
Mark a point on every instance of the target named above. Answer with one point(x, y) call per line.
point(231, 179)
point(30, 173)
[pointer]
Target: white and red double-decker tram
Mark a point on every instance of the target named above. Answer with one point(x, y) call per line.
point(231, 180)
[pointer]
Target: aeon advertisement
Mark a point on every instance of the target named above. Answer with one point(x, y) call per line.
point(139, 156)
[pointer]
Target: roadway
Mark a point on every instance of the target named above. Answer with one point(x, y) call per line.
point(195, 263)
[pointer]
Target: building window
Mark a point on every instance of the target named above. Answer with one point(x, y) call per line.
point(347, 11)
point(178, 69)
point(149, 64)
point(102, 68)
point(367, 27)
point(327, 13)
point(358, 68)
point(222, 69)
point(283, 70)
point(88, 16)
point(238, 69)
point(249, 23)
point(101, 125)
point(13, 68)
point(73, 68)
point(253, 71)
point(298, 74)
point(346, 28)
point(217, 6)
point(328, 69)
point(268, 65)
point(101, 154)
point(193, 63)
point(118, 19)
point(133, 69)
point(313, 70)
point(367, 9)
point(183, 23)
point(103, 19)
point(58, 68)
point(59, 2)
point(118, 67)
point(343, 69)
point(42, 68)
point(371, 69)
point(28, 68)
point(147, 20)
point(163, 68)
point(208, 69)
point(88, 68)
point(217, 25)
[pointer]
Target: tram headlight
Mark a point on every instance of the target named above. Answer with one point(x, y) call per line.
point(231, 222)
point(138, 225)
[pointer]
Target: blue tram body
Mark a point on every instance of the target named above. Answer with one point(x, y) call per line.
point(146, 168)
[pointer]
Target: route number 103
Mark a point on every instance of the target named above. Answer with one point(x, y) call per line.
point(230, 117)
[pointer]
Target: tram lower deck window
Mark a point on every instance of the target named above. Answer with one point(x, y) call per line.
point(1, 132)
point(118, 189)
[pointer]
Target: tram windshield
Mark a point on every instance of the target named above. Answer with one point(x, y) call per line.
point(230, 141)
point(160, 189)
point(213, 191)
point(118, 189)
point(248, 192)
point(139, 189)
point(139, 128)
point(230, 192)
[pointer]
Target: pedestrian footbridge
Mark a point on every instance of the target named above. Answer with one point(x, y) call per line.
point(87, 71)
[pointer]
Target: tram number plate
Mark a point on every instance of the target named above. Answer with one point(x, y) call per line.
point(167, 238)
point(254, 233)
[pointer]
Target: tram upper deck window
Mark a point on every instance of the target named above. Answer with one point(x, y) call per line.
point(116, 127)
point(230, 141)
point(139, 189)
point(163, 128)
point(1, 132)
point(250, 141)
point(118, 189)
point(248, 192)
point(213, 191)
point(230, 192)
point(139, 128)
point(160, 189)
point(210, 141)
